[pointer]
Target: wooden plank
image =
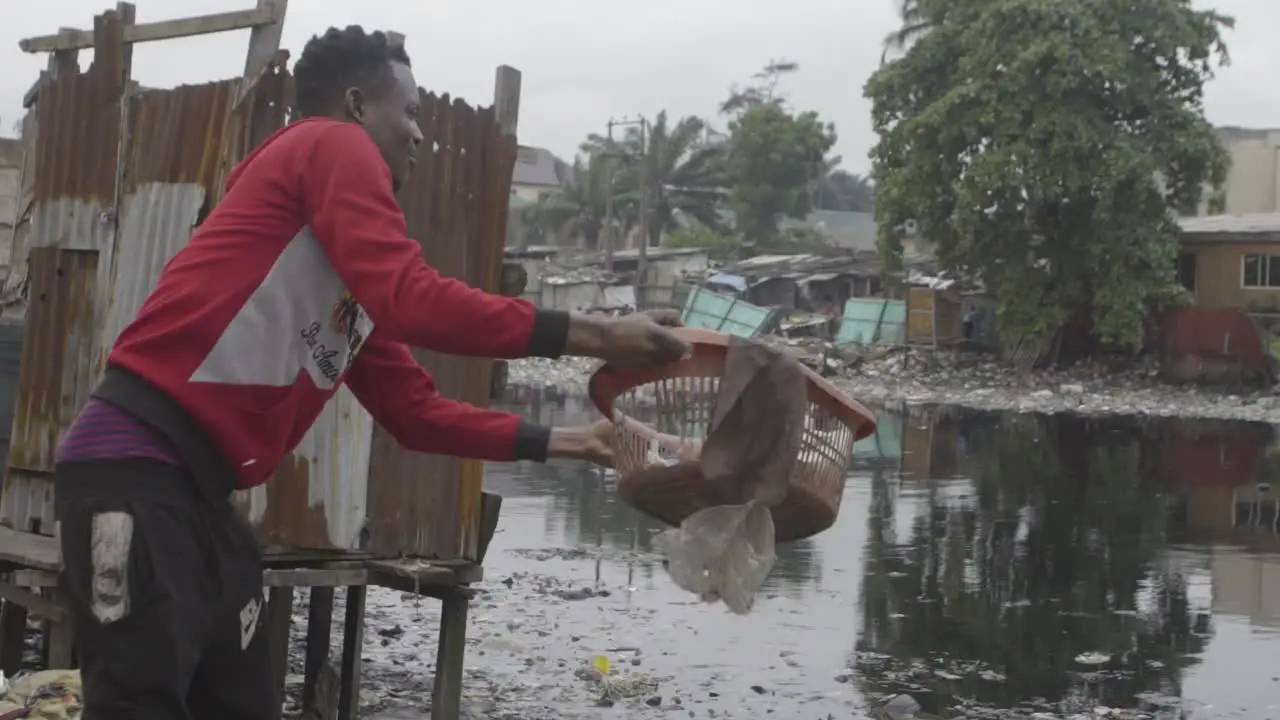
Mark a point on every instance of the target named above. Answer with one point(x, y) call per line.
point(419, 573)
point(506, 99)
point(264, 42)
point(294, 557)
point(163, 30)
point(30, 550)
point(490, 511)
point(31, 601)
point(59, 635)
point(340, 576)
point(33, 578)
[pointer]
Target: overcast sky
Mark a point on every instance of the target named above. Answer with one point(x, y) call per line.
point(587, 60)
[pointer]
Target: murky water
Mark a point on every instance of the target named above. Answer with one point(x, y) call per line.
point(986, 565)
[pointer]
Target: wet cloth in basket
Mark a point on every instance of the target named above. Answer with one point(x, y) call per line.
point(725, 551)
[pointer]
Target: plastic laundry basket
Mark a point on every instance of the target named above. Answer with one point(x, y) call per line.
point(661, 411)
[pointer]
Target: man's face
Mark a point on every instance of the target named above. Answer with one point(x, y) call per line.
point(391, 119)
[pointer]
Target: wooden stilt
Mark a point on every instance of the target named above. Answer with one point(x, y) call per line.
point(446, 695)
point(352, 646)
point(319, 640)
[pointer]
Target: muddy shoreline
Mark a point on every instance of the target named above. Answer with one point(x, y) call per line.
point(905, 379)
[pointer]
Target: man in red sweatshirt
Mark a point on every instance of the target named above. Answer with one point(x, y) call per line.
point(301, 280)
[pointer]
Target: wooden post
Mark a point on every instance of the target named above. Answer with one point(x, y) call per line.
point(13, 630)
point(264, 40)
point(319, 638)
point(446, 693)
point(279, 620)
point(352, 646)
point(506, 99)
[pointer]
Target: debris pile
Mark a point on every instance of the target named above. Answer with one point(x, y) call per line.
point(888, 376)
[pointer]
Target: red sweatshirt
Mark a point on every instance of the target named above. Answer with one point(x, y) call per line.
point(301, 279)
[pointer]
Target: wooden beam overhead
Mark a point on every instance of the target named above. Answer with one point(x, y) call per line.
point(163, 30)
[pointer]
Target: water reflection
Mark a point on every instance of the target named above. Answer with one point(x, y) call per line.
point(1037, 580)
point(993, 561)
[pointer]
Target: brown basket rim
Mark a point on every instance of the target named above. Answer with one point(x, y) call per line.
point(608, 382)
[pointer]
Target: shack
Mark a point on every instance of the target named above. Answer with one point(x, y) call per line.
point(666, 268)
point(120, 177)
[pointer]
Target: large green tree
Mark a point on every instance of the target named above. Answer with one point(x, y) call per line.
point(1042, 144)
point(776, 157)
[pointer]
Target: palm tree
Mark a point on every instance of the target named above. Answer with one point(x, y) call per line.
point(842, 190)
point(915, 24)
point(684, 173)
point(578, 209)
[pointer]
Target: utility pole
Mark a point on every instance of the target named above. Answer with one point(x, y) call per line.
point(642, 267)
point(610, 240)
point(610, 221)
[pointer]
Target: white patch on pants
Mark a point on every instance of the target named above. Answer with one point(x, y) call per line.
point(110, 539)
point(249, 621)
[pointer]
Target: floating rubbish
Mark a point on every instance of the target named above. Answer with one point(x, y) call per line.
point(1092, 658)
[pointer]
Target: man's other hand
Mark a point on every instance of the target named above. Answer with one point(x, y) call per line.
point(640, 341)
point(593, 443)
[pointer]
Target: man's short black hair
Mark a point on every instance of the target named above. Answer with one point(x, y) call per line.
point(341, 59)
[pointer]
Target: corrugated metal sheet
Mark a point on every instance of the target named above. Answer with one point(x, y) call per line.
point(79, 118)
point(712, 311)
point(456, 205)
point(73, 194)
point(873, 321)
point(54, 380)
point(91, 262)
point(155, 222)
point(318, 496)
point(11, 335)
point(179, 143)
point(61, 330)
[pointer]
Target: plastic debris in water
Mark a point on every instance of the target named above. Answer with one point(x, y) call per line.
point(1092, 658)
point(601, 663)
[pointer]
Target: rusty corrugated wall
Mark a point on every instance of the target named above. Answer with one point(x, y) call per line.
point(92, 261)
point(93, 264)
point(456, 206)
point(72, 232)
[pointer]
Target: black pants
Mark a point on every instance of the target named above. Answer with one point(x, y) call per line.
point(165, 588)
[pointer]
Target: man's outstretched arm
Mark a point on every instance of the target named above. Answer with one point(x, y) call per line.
point(402, 397)
point(354, 216)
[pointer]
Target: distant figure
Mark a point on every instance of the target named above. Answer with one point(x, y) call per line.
point(967, 322)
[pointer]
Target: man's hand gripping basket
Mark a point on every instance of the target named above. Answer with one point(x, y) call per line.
point(661, 417)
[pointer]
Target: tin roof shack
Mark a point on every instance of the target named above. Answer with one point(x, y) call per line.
point(121, 179)
point(934, 312)
point(666, 269)
point(572, 293)
point(536, 260)
point(808, 282)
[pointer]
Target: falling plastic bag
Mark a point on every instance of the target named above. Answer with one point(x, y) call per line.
point(722, 553)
